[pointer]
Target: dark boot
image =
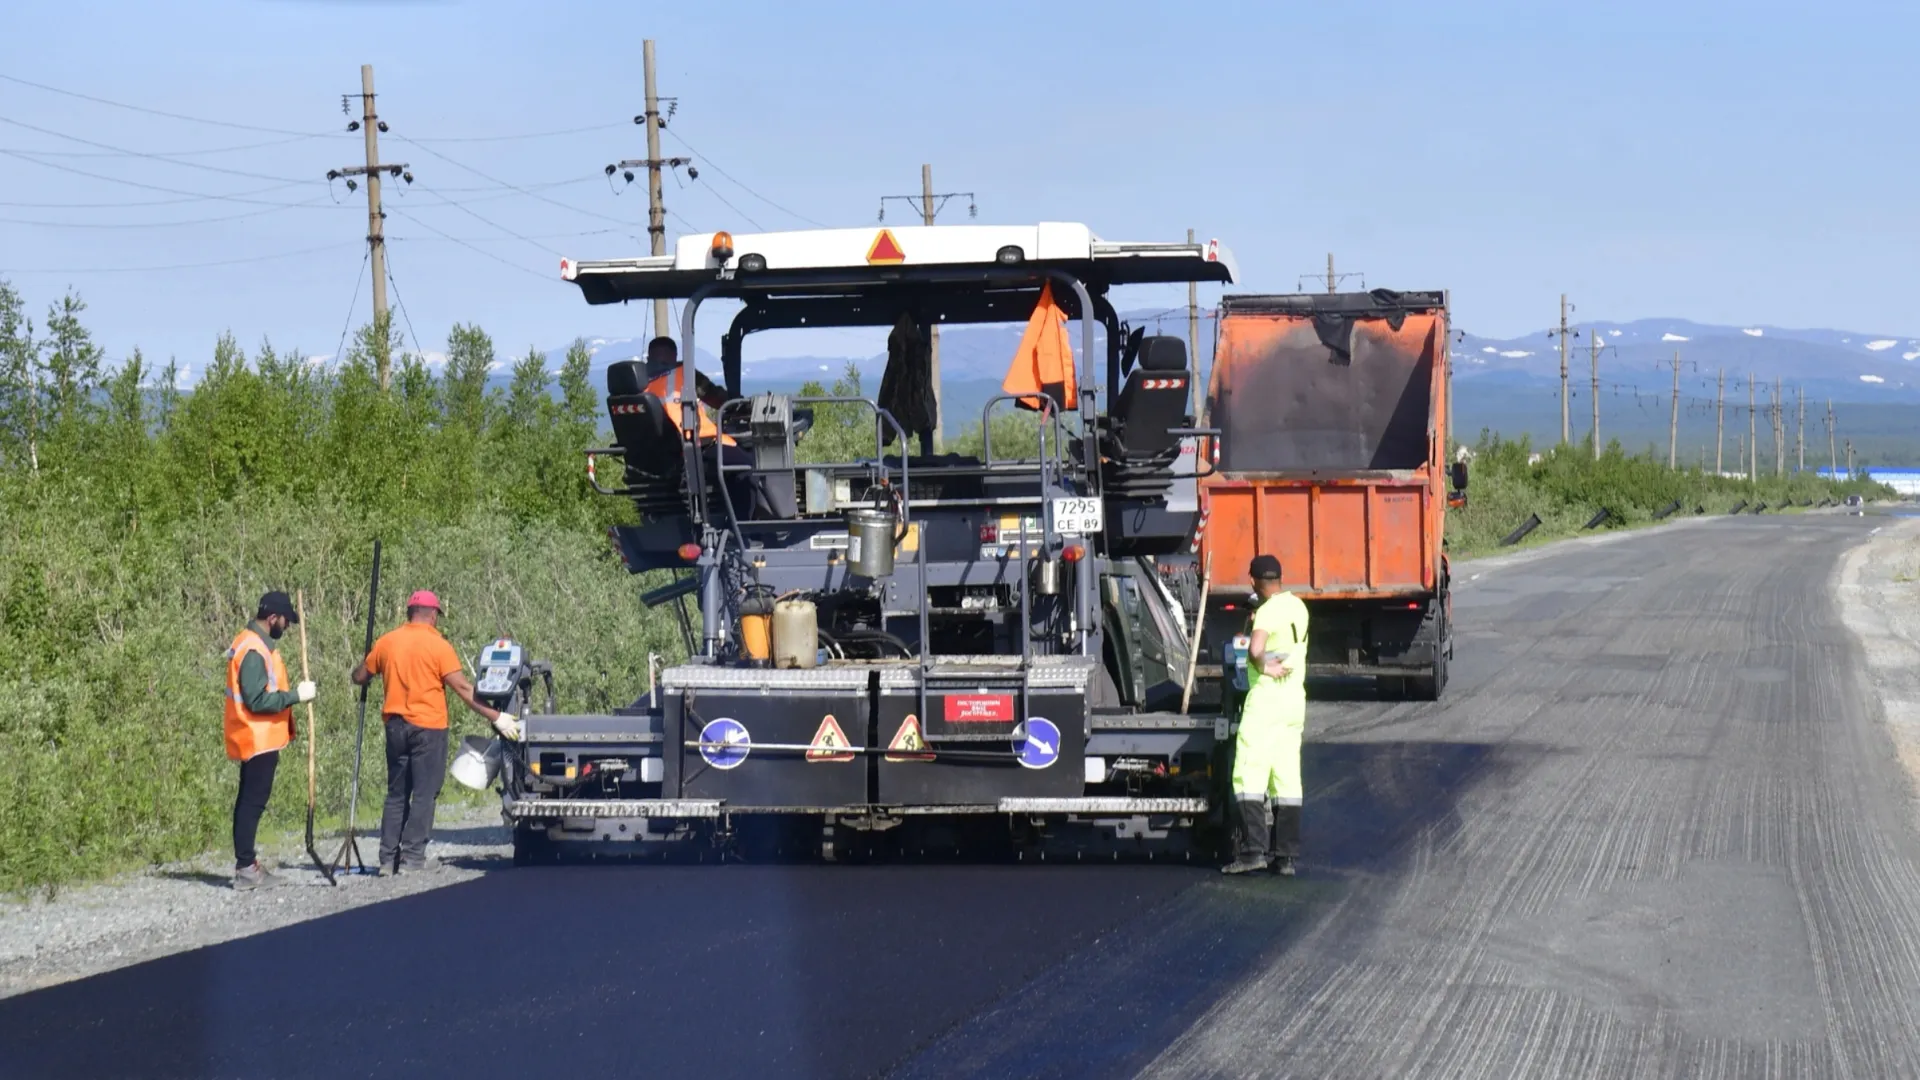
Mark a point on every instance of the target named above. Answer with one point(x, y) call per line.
point(1253, 834)
point(1286, 839)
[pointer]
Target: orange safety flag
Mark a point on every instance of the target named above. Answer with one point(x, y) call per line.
point(1044, 361)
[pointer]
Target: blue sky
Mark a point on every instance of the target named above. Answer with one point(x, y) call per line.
point(1742, 163)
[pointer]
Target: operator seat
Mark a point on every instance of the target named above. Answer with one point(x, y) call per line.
point(655, 472)
point(1138, 448)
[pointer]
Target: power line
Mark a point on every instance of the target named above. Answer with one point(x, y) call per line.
point(528, 135)
point(176, 266)
point(723, 201)
point(496, 225)
point(173, 153)
point(138, 153)
point(147, 202)
point(146, 187)
point(157, 112)
point(511, 236)
point(709, 162)
point(408, 319)
point(347, 326)
point(470, 247)
point(530, 193)
point(310, 204)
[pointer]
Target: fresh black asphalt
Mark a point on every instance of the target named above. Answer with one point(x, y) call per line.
point(1653, 830)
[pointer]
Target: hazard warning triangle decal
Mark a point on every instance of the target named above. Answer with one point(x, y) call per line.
point(830, 743)
point(908, 744)
point(885, 250)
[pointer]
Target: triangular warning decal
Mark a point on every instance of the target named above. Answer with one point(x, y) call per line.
point(830, 743)
point(885, 249)
point(908, 744)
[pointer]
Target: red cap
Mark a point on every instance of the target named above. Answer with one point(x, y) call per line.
point(424, 598)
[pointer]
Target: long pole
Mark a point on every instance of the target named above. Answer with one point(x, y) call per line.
point(1800, 432)
point(933, 327)
point(1833, 457)
point(376, 230)
point(1719, 425)
point(1199, 623)
point(1566, 415)
point(349, 857)
point(1673, 424)
point(656, 210)
point(300, 616)
point(1593, 341)
point(1753, 433)
point(1193, 338)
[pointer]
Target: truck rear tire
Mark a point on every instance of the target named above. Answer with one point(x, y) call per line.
point(1430, 687)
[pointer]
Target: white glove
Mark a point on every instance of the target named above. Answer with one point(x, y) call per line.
point(305, 690)
point(508, 726)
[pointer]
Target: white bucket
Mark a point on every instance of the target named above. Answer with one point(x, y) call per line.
point(477, 763)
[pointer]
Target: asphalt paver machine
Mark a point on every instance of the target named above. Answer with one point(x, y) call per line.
point(902, 650)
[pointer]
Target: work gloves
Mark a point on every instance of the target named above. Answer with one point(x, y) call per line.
point(306, 690)
point(508, 726)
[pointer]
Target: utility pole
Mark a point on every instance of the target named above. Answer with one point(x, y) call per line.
point(1673, 425)
point(1719, 424)
point(1800, 432)
point(371, 125)
point(1193, 337)
point(1333, 279)
point(1566, 415)
point(933, 328)
point(1753, 433)
point(1779, 430)
point(1740, 441)
point(656, 210)
point(1833, 458)
point(1593, 341)
point(1850, 472)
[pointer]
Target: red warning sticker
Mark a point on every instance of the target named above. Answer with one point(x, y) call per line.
point(979, 708)
point(885, 249)
point(830, 743)
point(908, 743)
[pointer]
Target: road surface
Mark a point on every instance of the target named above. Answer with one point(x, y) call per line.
point(1654, 830)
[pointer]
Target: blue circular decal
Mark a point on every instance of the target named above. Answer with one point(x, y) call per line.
point(725, 743)
point(1037, 742)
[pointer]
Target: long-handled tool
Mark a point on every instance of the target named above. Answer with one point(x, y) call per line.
point(1199, 624)
point(300, 617)
point(349, 859)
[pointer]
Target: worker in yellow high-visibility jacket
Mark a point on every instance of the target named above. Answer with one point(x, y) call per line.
point(1273, 721)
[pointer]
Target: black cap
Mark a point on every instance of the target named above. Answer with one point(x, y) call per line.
point(1264, 566)
point(278, 603)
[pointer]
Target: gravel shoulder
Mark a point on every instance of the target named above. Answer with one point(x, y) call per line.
point(1878, 584)
point(142, 916)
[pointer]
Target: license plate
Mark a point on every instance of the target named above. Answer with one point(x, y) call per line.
point(1077, 516)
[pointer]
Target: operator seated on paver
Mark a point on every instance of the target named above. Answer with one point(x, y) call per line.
point(259, 724)
point(418, 667)
point(751, 496)
point(1273, 720)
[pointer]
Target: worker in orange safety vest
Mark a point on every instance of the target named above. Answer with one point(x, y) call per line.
point(752, 494)
point(259, 724)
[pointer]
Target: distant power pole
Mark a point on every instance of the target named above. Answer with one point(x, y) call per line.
point(1833, 458)
point(1333, 279)
point(1673, 424)
point(1593, 340)
point(1753, 432)
point(1740, 441)
point(1800, 432)
point(371, 124)
point(1779, 430)
point(1566, 414)
point(1719, 425)
point(1850, 472)
point(1193, 337)
point(933, 328)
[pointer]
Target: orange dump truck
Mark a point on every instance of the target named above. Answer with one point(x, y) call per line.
point(1332, 414)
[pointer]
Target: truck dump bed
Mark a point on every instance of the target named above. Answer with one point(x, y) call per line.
point(1332, 413)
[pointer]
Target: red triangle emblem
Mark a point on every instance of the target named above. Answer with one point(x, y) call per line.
point(830, 743)
point(885, 249)
point(908, 743)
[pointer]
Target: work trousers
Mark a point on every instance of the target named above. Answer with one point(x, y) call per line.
point(416, 767)
point(256, 786)
point(1266, 765)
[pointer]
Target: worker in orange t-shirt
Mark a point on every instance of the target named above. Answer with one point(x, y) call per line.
point(418, 667)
